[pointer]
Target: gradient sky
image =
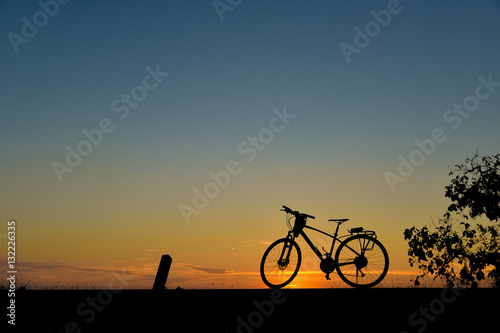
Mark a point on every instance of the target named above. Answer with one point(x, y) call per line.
point(118, 210)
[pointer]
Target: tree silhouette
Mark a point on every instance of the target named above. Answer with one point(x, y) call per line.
point(476, 187)
point(456, 251)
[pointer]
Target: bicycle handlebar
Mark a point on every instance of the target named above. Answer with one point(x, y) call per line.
point(296, 213)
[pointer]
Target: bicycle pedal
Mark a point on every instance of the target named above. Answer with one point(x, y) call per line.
point(327, 276)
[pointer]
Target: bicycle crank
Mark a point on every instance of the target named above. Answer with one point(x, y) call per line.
point(327, 266)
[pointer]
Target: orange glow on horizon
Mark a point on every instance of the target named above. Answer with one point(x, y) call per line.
point(181, 275)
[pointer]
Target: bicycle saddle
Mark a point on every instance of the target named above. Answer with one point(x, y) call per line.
point(339, 220)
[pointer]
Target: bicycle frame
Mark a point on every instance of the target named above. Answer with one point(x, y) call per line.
point(314, 248)
point(310, 243)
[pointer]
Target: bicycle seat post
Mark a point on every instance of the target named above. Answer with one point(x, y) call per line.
point(337, 229)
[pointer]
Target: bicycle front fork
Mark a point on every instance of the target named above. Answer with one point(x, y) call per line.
point(285, 253)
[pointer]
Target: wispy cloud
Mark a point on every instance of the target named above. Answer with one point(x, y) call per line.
point(244, 243)
point(208, 270)
point(33, 266)
point(255, 242)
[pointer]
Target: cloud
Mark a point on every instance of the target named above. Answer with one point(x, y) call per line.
point(208, 270)
point(245, 243)
point(33, 266)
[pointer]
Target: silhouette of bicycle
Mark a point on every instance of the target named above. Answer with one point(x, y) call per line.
point(361, 260)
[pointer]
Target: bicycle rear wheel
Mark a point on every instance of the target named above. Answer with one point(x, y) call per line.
point(362, 261)
point(280, 263)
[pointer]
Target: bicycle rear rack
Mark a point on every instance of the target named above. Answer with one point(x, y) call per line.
point(360, 230)
point(370, 233)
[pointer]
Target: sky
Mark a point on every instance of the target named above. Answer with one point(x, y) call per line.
point(132, 129)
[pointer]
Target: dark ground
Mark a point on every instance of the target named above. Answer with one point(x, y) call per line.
point(334, 310)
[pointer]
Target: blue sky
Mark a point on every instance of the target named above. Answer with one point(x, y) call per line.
point(225, 78)
point(224, 75)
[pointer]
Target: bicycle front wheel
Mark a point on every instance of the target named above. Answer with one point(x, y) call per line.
point(280, 263)
point(362, 261)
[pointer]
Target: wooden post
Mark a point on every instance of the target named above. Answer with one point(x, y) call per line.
point(162, 273)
